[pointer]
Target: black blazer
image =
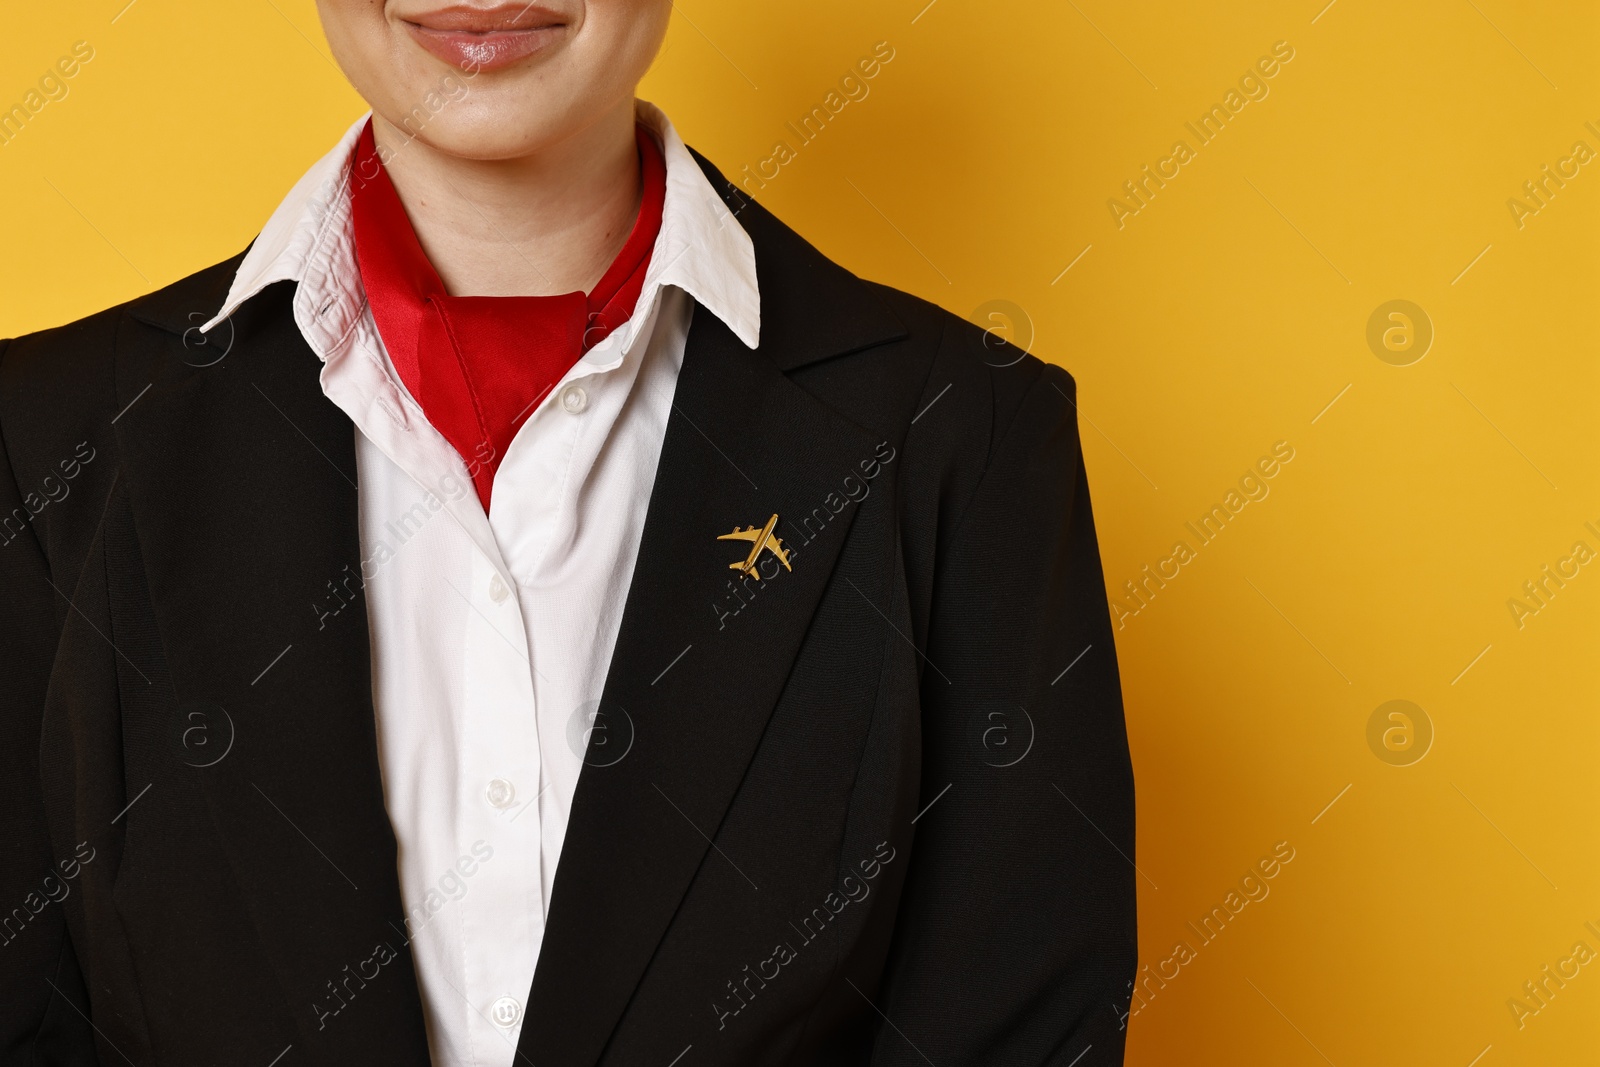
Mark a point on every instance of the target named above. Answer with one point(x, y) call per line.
point(878, 809)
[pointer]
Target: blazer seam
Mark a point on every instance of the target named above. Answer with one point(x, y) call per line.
point(38, 1028)
point(840, 955)
point(11, 470)
point(142, 1021)
point(900, 484)
point(995, 443)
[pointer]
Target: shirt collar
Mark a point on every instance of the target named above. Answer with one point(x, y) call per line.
point(701, 248)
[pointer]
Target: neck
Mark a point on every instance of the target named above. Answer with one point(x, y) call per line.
point(536, 225)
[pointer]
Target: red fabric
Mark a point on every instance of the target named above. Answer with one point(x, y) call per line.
point(479, 364)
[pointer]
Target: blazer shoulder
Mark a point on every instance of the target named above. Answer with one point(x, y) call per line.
point(64, 362)
point(40, 365)
point(941, 363)
point(63, 388)
point(1005, 367)
point(853, 339)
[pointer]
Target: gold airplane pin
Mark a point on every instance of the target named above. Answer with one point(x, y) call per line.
point(762, 540)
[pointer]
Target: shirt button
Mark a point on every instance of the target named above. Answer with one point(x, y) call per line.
point(574, 399)
point(500, 792)
point(505, 1012)
point(497, 589)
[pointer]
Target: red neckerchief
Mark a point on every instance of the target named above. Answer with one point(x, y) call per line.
point(479, 364)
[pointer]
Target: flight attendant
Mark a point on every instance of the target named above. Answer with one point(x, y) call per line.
point(531, 607)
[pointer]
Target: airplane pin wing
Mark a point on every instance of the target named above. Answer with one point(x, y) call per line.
point(762, 541)
point(775, 546)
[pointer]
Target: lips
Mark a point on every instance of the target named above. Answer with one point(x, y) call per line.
point(479, 39)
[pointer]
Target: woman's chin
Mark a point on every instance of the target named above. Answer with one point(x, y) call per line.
point(478, 133)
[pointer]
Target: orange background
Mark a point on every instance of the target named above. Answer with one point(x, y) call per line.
point(1228, 314)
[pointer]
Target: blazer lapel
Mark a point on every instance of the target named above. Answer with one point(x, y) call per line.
point(241, 480)
point(698, 668)
point(242, 485)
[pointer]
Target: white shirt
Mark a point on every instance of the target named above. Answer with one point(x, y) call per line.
point(492, 633)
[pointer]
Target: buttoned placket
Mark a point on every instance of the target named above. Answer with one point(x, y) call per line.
point(505, 781)
point(505, 903)
point(502, 665)
point(500, 797)
point(477, 584)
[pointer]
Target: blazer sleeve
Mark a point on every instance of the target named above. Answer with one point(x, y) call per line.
point(38, 969)
point(1016, 939)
